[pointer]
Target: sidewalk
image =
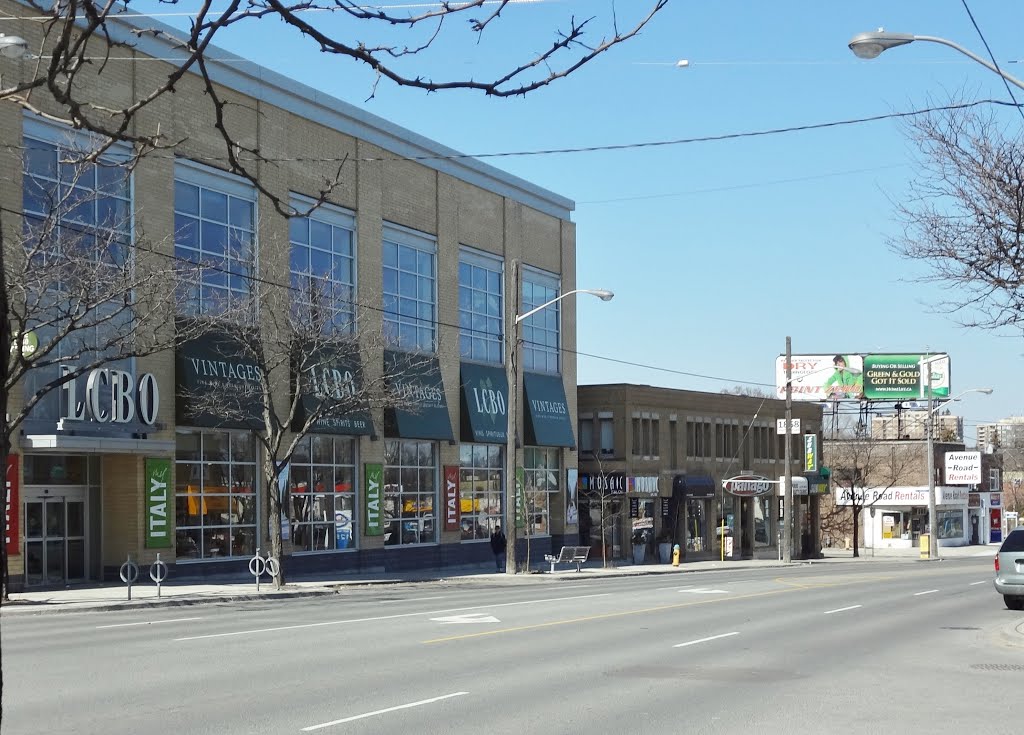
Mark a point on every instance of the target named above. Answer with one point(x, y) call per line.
point(100, 597)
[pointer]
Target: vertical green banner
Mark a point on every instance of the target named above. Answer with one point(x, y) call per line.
point(520, 499)
point(158, 480)
point(373, 479)
point(810, 452)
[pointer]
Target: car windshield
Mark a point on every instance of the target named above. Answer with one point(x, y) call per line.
point(1013, 542)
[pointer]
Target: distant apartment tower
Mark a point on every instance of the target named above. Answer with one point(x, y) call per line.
point(1008, 432)
point(911, 425)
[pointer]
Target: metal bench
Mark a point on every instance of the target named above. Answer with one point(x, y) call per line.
point(568, 555)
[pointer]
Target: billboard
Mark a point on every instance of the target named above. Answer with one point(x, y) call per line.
point(876, 377)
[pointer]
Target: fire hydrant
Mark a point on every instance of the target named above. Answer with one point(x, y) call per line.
point(675, 555)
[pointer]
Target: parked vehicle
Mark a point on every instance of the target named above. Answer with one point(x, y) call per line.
point(1009, 579)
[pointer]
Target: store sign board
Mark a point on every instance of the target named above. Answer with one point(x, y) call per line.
point(451, 498)
point(158, 481)
point(106, 395)
point(748, 486)
point(373, 474)
point(963, 468)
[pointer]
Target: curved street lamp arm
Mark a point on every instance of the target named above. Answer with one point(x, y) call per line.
point(972, 55)
point(599, 292)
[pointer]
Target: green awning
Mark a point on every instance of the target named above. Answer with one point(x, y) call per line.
point(484, 409)
point(420, 409)
point(332, 385)
point(217, 383)
point(548, 423)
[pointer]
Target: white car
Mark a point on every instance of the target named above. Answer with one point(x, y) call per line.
point(1009, 581)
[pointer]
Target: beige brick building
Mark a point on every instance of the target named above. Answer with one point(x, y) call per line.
point(437, 235)
point(653, 462)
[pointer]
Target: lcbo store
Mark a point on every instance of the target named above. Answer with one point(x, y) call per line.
point(75, 473)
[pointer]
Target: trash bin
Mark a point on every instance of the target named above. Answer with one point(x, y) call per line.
point(926, 546)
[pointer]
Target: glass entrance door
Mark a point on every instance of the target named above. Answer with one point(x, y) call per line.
point(55, 549)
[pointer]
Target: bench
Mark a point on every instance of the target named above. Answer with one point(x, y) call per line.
point(568, 555)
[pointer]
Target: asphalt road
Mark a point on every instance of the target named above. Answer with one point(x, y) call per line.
point(852, 648)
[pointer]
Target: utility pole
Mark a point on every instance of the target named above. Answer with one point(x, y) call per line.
point(512, 375)
point(933, 541)
point(787, 501)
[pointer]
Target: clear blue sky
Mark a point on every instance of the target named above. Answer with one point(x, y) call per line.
point(718, 251)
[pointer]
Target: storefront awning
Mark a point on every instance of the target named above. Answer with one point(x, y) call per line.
point(548, 423)
point(484, 399)
point(332, 385)
point(420, 408)
point(694, 486)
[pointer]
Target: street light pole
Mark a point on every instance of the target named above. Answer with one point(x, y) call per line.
point(787, 500)
point(870, 45)
point(933, 539)
point(515, 503)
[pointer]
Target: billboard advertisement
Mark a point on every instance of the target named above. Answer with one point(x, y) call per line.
point(822, 377)
point(877, 377)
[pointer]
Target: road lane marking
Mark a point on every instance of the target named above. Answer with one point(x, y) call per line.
point(378, 618)
point(470, 618)
point(984, 581)
point(926, 592)
point(705, 640)
point(842, 609)
point(147, 622)
point(700, 591)
point(785, 588)
point(363, 716)
point(620, 614)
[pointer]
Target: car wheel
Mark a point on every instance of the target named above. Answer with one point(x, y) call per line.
point(1014, 603)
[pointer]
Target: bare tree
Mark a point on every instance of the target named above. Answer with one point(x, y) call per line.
point(601, 494)
point(74, 41)
point(303, 352)
point(964, 218)
point(78, 293)
point(749, 390)
point(863, 469)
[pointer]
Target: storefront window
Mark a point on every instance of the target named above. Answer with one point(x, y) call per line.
point(480, 484)
point(951, 523)
point(763, 535)
point(215, 489)
point(410, 492)
point(321, 504)
point(541, 471)
point(697, 535)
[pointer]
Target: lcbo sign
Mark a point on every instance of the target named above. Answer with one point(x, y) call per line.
point(111, 396)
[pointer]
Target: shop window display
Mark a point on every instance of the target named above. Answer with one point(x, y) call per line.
point(321, 496)
point(215, 498)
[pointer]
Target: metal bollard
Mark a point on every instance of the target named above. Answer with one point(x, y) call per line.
point(257, 565)
point(129, 573)
point(158, 572)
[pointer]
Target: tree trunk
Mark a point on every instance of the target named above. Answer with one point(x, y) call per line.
point(856, 530)
point(274, 511)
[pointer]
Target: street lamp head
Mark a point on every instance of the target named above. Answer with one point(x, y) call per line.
point(986, 391)
point(870, 45)
point(603, 294)
point(13, 47)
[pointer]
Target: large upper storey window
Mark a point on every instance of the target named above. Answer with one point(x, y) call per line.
point(410, 289)
point(480, 307)
point(540, 332)
point(323, 267)
point(214, 229)
point(74, 209)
